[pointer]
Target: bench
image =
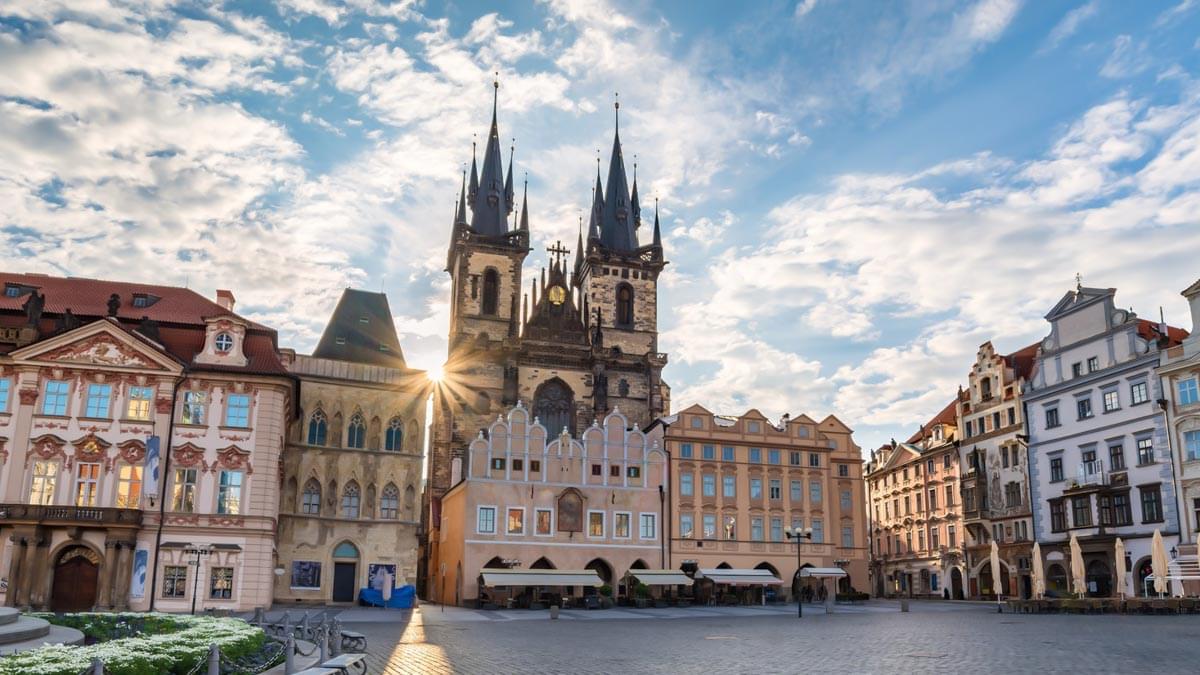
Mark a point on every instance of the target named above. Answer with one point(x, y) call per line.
point(318, 670)
point(353, 641)
point(346, 662)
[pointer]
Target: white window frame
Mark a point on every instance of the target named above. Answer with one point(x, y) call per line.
point(535, 520)
point(95, 484)
point(127, 484)
point(130, 400)
point(479, 510)
point(1195, 387)
point(692, 518)
point(106, 413)
point(603, 524)
point(239, 508)
point(629, 532)
point(49, 479)
point(507, 511)
point(228, 407)
point(66, 399)
point(654, 520)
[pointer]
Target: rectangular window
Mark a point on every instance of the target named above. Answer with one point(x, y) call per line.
point(1191, 445)
point(1139, 392)
point(727, 454)
point(595, 523)
point(777, 529)
point(932, 499)
point(541, 522)
point(1056, 469)
point(844, 469)
point(967, 429)
point(996, 420)
point(1093, 364)
point(1121, 512)
point(773, 457)
point(220, 584)
point(648, 526)
point(498, 464)
point(710, 452)
point(756, 529)
point(621, 524)
point(515, 521)
point(797, 491)
point(685, 485)
point(951, 537)
point(1058, 516)
point(55, 401)
point(1145, 451)
point(237, 411)
point(731, 528)
point(1076, 369)
point(949, 495)
point(306, 574)
point(1012, 416)
point(1151, 504)
point(1083, 407)
point(535, 466)
point(98, 397)
point(1189, 393)
point(5, 389)
point(907, 505)
point(708, 483)
point(685, 525)
point(193, 407)
point(1081, 511)
point(844, 500)
point(129, 486)
point(847, 536)
point(934, 537)
point(794, 458)
point(946, 461)
point(1116, 457)
point(685, 451)
point(1196, 514)
point(485, 520)
point(710, 526)
point(814, 459)
point(818, 531)
point(1052, 418)
point(1004, 459)
point(814, 491)
point(729, 487)
point(87, 483)
point(614, 470)
point(175, 581)
point(755, 488)
point(775, 488)
point(756, 455)
point(518, 465)
point(183, 491)
point(140, 399)
point(920, 540)
point(633, 472)
point(229, 493)
point(1112, 400)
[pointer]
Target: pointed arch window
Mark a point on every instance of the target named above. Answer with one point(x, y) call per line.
point(389, 502)
point(491, 292)
point(356, 432)
point(393, 439)
point(310, 500)
point(318, 428)
point(625, 305)
point(351, 500)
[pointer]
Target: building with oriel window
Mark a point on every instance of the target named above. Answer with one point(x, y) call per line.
point(141, 428)
point(916, 513)
point(349, 509)
point(1179, 372)
point(525, 500)
point(1100, 465)
point(995, 475)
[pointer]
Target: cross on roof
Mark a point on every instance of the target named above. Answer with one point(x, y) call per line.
point(558, 251)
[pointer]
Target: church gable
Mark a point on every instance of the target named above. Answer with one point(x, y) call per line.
point(99, 344)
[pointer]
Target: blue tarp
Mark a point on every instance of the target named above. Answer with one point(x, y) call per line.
point(402, 597)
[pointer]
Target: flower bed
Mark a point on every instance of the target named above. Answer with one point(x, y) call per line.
point(138, 644)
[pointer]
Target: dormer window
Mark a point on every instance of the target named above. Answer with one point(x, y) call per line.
point(340, 340)
point(144, 299)
point(364, 319)
point(223, 342)
point(12, 291)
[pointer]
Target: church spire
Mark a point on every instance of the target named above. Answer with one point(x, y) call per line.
point(489, 213)
point(633, 200)
point(616, 228)
point(597, 207)
point(460, 213)
point(657, 232)
point(474, 189)
point(508, 182)
point(578, 251)
point(524, 226)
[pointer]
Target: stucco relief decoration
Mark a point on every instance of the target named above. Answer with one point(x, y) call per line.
point(183, 520)
point(234, 458)
point(47, 446)
point(101, 350)
point(222, 521)
point(28, 396)
point(132, 451)
point(80, 552)
point(90, 448)
point(189, 455)
point(3, 451)
point(570, 511)
point(162, 405)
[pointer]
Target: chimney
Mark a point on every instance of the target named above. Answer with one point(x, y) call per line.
point(1193, 297)
point(225, 299)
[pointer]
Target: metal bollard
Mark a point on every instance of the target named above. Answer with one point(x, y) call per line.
point(289, 654)
point(335, 639)
point(323, 643)
point(305, 629)
point(97, 666)
point(904, 604)
point(553, 611)
point(214, 659)
point(259, 616)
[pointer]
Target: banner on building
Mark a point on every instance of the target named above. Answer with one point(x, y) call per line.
point(376, 572)
point(150, 474)
point(141, 565)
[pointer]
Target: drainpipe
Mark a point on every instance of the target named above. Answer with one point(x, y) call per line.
point(662, 516)
point(165, 448)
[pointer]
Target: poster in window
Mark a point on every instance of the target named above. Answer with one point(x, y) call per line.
point(141, 561)
point(375, 572)
point(306, 574)
point(570, 511)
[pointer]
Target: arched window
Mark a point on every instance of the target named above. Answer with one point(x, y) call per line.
point(491, 292)
point(310, 501)
point(356, 433)
point(350, 500)
point(389, 503)
point(317, 428)
point(554, 407)
point(624, 305)
point(393, 439)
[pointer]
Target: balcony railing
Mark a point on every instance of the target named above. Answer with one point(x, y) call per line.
point(1091, 473)
point(55, 514)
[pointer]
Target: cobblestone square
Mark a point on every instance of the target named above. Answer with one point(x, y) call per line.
point(871, 638)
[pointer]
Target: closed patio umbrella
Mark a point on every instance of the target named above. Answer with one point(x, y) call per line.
point(1122, 589)
point(996, 585)
point(1158, 562)
point(1077, 572)
point(1039, 577)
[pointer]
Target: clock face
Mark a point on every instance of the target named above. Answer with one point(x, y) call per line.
point(557, 294)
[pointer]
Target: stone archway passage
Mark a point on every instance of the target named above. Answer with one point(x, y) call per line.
point(75, 578)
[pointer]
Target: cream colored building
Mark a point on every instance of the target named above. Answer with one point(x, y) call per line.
point(350, 506)
point(916, 517)
point(738, 482)
point(1179, 370)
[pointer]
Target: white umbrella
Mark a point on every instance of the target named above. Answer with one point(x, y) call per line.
point(1039, 577)
point(387, 586)
point(1122, 589)
point(1158, 562)
point(996, 585)
point(1077, 571)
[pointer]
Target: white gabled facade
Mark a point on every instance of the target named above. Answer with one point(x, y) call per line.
point(1179, 374)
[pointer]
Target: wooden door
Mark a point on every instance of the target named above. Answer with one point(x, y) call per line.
point(344, 578)
point(74, 585)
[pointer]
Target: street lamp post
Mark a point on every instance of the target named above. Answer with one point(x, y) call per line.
point(799, 534)
point(196, 552)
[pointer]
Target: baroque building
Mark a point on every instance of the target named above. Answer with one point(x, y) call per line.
point(1179, 372)
point(580, 342)
point(349, 508)
point(138, 425)
point(995, 476)
point(915, 510)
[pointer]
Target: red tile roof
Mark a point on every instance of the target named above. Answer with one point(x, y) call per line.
point(948, 416)
point(1148, 330)
point(1022, 360)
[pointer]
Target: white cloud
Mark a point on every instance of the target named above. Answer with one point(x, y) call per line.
point(803, 7)
point(1070, 23)
point(1128, 58)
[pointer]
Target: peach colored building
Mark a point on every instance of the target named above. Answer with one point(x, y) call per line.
point(526, 501)
point(738, 482)
point(916, 513)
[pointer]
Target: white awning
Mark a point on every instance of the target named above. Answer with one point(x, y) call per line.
point(752, 577)
point(822, 572)
point(661, 577)
point(497, 577)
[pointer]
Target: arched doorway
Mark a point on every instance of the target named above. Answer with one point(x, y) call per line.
point(1056, 581)
point(1099, 579)
point(768, 593)
point(542, 564)
point(75, 577)
point(1143, 570)
point(553, 406)
point(496, 563)
point(345, 572)
point(956, 585)
point(603, 569)
point(988, 588)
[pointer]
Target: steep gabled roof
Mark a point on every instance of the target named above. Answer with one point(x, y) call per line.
point(1148, 330)
point(1022, 361)
point(361, 330)
point(947, 416)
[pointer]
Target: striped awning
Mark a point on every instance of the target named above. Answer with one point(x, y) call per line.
point(661, 577)
point(825, 572)
point(497, 577)
point(752, 577)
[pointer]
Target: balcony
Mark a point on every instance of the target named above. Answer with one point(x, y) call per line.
point(86, 516)
point(1090, 473)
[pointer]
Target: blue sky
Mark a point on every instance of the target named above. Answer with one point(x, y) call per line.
point(855, 195)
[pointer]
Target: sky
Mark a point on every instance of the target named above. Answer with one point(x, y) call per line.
point(855, 195)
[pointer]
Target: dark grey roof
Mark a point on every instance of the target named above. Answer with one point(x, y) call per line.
point(361, 330)
point(617, 226)
point(489, 206)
